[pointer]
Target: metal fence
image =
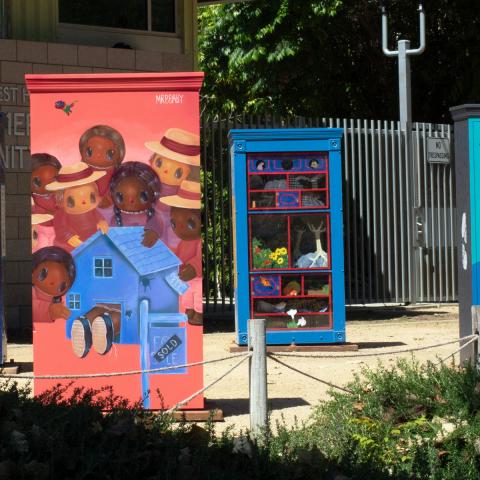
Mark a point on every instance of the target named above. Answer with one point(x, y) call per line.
point(377, 227)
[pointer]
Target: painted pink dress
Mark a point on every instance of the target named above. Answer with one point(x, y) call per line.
point(66, 226)
point(103, 183)
point(141, 219)
point(190, 252)
point(163, 211)
point(40, 306)
point(45, 236)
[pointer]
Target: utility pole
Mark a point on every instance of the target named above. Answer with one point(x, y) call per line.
point(404, 52)
point(258, 376)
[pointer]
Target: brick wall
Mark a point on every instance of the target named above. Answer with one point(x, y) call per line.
point(16, 59)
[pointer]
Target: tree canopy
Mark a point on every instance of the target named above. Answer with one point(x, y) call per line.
point(324, 57)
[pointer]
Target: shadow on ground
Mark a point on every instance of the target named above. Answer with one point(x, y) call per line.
point(389, 313)
point(362, 345)
point(240, 406)
point(23, 367)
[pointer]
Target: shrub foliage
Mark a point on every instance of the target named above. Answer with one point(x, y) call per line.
point(408, 421)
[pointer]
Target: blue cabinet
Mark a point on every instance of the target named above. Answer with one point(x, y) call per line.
point(288, 233)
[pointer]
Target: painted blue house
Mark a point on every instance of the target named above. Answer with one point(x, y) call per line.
point(143, 284)
point(116, 268)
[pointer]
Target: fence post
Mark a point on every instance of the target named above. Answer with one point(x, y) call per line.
point(476, 329)
point(258, 375)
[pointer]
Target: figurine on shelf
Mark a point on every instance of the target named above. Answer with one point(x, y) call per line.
point(262, 306)
point(291, 289)
point(312, 200)
point(256, 182)
point(276, 184)
point(260, 165)
point(319, 258)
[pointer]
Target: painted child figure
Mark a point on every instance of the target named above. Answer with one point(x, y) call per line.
point(77, 217)
point(53, 274)
point(103, 149)
point(134, 189)
point(186, 223)
point(45, 168)
point(43, 235)
point(174, 157)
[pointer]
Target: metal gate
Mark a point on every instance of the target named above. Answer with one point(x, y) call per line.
point(376, 190)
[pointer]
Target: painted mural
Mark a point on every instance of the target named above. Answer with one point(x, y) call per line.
point(116, 232)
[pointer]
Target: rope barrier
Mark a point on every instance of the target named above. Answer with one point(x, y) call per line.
point(332, 385)
point(118, 374)
point(458, 350)
point(374, 354)
point(211, 384)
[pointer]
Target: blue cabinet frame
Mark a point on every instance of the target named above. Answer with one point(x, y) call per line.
point(298, 145)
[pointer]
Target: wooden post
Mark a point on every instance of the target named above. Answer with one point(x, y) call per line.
point(258, 376)
point(476, 329)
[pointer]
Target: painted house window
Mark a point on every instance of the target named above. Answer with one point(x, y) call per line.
point(103, 267)
point(74, 301)
point(147, 15)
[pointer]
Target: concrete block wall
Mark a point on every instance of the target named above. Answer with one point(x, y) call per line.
point(16, 59)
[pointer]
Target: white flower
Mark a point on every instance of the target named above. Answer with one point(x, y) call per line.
point(292, 312)
point(301, 322)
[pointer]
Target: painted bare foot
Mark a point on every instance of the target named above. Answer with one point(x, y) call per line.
point(187, 272)
point(196, 320)
point(81, 337)
point(102, 333)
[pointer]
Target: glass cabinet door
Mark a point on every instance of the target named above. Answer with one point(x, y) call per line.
point(292, 301)
point(289, 241)
point(288, 181)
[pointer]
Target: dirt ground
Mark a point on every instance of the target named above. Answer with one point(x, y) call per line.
point(291, 395)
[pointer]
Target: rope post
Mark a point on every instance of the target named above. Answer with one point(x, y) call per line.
point(476, 329)
point(258, 376)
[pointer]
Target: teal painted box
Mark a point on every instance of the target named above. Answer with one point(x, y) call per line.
point(288, 234)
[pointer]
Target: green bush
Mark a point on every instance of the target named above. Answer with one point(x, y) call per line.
point(408, 421)
point(94, 435)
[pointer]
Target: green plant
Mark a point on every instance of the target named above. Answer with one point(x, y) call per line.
point(406, 421)
point(264, 258)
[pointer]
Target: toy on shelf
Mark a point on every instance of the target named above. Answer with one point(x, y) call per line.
point(288, 246)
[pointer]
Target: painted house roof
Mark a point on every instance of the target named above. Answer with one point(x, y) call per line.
point(128, 240)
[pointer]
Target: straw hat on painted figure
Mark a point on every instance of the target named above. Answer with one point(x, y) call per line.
point(188, 196)
point(74, 176)
point(39, 218)
point(179, 145)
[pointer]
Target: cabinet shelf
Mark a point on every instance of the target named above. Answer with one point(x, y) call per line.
point(289, 297)
point(284, 314)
